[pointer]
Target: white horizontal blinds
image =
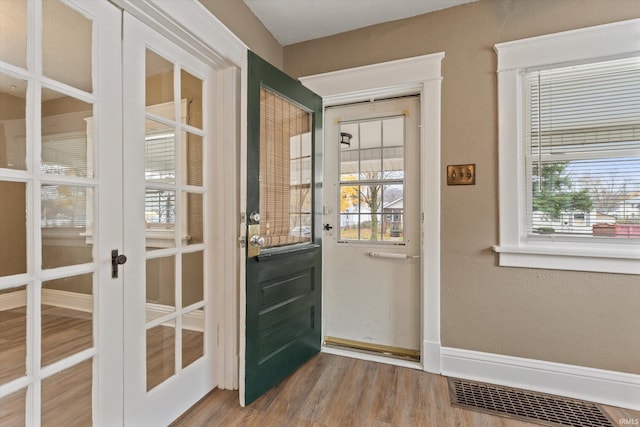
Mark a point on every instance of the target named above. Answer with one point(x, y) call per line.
point(285, 171)
point(160, 159)
point(160, 164)
point(583, 155)
point(160, 208)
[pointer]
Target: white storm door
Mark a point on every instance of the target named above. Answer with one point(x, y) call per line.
point(372, 222)
point(60, 180)
point(169, 324)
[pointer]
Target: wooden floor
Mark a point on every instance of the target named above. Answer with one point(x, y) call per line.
point(327, 391)
point(338, 391)
point(66, 396)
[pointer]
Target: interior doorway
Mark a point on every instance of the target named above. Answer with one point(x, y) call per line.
point(418, 75)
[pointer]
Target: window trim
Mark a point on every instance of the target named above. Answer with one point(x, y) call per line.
point(515, 249)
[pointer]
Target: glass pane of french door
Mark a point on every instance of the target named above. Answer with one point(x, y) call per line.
point(51, 98)
point(166, 303)
point(173, 213)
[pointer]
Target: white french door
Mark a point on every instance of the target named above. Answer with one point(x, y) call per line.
point(60, 181)
point(86, 173)
point(169, 324)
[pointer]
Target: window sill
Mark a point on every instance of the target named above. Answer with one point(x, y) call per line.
point(571, 258)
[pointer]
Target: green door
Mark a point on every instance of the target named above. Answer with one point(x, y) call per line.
point(284, 206)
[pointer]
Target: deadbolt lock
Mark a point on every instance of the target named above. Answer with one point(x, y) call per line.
point(254, 217)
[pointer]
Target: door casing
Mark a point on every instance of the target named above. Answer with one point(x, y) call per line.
point(418, 75)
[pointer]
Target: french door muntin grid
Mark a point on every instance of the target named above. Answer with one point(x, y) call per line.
point(383, 182)
point(178, 215)
point(35, 178)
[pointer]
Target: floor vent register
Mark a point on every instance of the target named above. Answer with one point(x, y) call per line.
point(528, 406)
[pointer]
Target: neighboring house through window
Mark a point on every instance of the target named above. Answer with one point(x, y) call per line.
point(372, 174)
point(569, 129)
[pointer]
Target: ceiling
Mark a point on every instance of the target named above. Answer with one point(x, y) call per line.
point(293, 21)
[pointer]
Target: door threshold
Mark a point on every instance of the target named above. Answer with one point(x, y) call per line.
point(375, 354)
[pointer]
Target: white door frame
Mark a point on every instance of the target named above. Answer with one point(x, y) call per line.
point(417, 75)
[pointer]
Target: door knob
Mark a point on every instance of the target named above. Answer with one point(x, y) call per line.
point(116, 260)
point(256, 241)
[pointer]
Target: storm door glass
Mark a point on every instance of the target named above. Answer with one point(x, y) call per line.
point(372, 172)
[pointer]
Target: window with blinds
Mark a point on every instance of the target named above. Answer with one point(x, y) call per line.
point(582, 133)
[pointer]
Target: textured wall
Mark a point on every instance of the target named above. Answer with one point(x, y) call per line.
point(587, 319)
point(237, 16)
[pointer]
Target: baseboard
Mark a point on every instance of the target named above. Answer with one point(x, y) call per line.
point(65, 299)
point(193, 321)
point(431, 357)
point(57, 298)
point(12, 300)
point(595, 385)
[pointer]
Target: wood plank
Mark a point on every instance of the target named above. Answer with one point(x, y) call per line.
point(327, 391)
point(331, 391)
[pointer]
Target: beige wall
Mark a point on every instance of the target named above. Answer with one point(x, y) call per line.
point(237, 16)
point(585, 319)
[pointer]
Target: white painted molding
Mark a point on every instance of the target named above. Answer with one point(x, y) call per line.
point(524, 257)
point(12, 300)
point(515, 248)
point(595, 385)
point(192, 26)
point(431, 356)
point(226, 167)
point(618, 38)
point(65, 299)
point(193, 321)
point(418, 75)
point(400, 77)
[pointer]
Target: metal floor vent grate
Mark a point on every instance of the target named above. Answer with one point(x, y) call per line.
point(524, 405)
